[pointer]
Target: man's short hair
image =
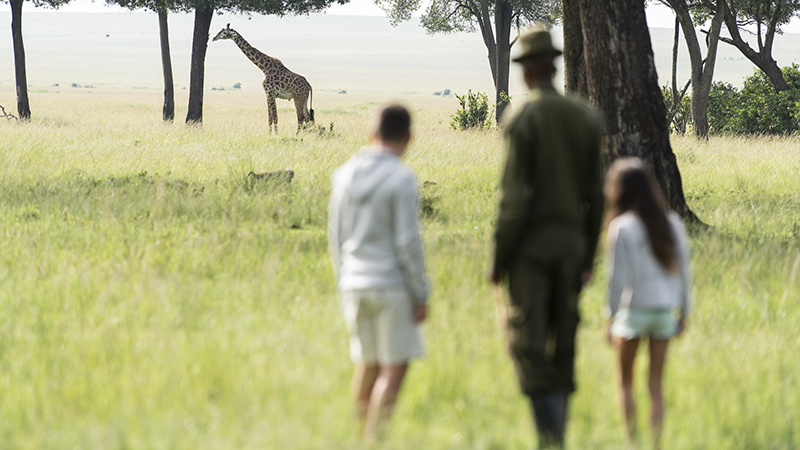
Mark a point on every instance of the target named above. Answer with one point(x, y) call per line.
point(394, 123)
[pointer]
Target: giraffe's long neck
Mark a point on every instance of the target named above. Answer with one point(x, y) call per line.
point(258, 58)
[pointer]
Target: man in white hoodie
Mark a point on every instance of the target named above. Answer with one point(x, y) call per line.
point(375, 246)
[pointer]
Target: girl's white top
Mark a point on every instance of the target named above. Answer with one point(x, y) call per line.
point(636, 278)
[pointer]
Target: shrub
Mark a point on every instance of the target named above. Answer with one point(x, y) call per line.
point(723, 103)
point(763, 111)
point(474, 112)
point(755, 109)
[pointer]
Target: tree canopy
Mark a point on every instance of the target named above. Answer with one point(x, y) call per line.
point(495, 20)
point(269, 7)
point(40, 3)
point(742, 18)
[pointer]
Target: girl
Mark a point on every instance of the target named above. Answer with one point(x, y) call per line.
point(649, 280)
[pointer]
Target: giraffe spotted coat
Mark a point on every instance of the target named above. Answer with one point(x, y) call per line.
point(279, 82)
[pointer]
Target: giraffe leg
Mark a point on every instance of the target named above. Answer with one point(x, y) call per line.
point(300, 107)
point(272, 109)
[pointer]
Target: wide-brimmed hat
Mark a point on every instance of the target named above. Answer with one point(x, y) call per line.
point(536, 43)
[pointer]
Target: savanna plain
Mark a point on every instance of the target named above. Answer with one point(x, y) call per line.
point(150, 298)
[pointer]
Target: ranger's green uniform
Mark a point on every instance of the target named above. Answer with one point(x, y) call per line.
point(547, 230)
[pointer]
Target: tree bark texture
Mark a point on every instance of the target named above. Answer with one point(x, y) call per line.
point(23, 106)
point(202, 23)
point(574, 63)
point(623, 84)
point(502, 21)
point(168, 111)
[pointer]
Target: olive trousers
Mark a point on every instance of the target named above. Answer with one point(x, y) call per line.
point(543, 319)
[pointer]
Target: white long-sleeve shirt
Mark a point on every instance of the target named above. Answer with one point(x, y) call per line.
point(373, 229)
point(636, 278)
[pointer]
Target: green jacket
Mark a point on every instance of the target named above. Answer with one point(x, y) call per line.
point(552, 187)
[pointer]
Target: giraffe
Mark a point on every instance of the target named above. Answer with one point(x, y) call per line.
point(279, 82)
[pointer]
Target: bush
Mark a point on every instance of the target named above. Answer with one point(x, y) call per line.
point(723, 103)
point(755, 109)
point(761, 110)
point(474, 112)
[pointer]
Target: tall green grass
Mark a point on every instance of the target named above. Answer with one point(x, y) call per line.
point(150, 299)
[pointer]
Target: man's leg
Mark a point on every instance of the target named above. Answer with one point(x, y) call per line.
point(534, 337)
point(384, 395)
point(550, 416)
point(550, 404)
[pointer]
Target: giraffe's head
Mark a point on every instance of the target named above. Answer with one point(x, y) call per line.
point(226, 33)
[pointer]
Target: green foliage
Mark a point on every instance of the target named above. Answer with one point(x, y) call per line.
point(272, 7)
point(755, 109)
point(474, 112)
point(762, 110)
point(448, 16)
point(723, 103)
point(762, 11)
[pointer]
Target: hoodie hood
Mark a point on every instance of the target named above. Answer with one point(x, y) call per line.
point(370, 168)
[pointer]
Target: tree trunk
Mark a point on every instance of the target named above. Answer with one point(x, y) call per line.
point(770, 68)
point(502, 21)
point(675, 41)
point(485, 23)
point(702, 69)
point(574, 63)
point(623, 83)
point(168, 112)
point(23, 107)
point(202, 23)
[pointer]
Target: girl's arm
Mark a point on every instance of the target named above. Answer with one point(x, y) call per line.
point(620, 266)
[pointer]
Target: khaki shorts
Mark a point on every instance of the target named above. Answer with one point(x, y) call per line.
point(381, 326)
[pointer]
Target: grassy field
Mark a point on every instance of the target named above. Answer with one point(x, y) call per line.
point(150, 300)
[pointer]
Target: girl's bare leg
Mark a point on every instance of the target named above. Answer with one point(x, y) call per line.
point(658, 356)
point(626, 351)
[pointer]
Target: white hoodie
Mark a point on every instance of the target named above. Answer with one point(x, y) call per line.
point(373, 231)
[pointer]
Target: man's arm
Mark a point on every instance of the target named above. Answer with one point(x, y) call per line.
point(516, 195)
point(593, 200)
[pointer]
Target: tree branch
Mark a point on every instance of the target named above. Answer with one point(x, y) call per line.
point(7, 116)
point(772, 27)
point(676, 106)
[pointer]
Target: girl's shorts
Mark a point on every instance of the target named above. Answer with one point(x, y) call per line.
point(644, 322)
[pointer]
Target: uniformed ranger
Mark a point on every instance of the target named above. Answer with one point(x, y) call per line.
point(547, 230)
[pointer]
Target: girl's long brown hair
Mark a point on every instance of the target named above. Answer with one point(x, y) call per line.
point(630, 186)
